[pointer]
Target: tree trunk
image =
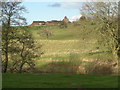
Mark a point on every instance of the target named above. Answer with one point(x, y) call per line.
point(21, 66)
point(6, 45)
point(6, 53)
point(6, 62)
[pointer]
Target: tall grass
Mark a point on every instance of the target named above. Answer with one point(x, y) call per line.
point(69, 65)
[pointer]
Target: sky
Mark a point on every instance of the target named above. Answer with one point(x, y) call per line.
point(46, 11)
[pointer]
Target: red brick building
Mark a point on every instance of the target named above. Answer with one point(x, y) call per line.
point(53, 22)
point(66, 20)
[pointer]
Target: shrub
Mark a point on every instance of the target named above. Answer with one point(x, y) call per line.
point(57, 67)
point(74, 59)
point(77, 23)
point(63, 25)
point(65, 66)
point(93, 23)
point(99, 67)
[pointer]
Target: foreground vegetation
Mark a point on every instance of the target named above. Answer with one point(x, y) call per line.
point(71, 43)
point(60, 55)
point(59, 81)
point(82, 52)
point(81, 43)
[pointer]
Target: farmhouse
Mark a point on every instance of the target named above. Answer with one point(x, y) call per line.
point(53, 22)
point(38, 23)
point(66, 20)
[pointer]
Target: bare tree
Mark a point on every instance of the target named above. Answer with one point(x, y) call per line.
point(11, 15)
point(100, 10)
point(24, 50)
point(106, 13)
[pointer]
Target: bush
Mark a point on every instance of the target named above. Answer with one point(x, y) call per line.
point(64, 66)
point(63, 25)
point(57, 67)
point(77, 23)
point(93, 23)
point(99, 67)
point(74, 59)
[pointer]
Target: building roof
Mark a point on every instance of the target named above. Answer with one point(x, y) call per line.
point(56, 21)
point(38, 21)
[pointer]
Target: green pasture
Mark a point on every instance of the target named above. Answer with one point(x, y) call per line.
point(82, 40)
point(58, 81)
point(83, 31)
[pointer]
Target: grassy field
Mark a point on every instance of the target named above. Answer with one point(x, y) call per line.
point(81, 39)
point(83, 31)
point(66, 49)
point(58, 81)
point(61, 50)
point(78, 38)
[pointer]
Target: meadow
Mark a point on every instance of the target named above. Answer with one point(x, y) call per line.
point(80, 42)
point(68, 55)
point(83, 54)
point(58, 81)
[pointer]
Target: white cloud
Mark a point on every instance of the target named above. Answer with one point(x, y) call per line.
point(75, 18)
point(68, 0)
point(73, 5)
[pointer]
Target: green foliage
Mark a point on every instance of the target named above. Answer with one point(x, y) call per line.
point(93, 23)
point(82, 18)
point(23, 50)
point(63, 25)
point(109, 31)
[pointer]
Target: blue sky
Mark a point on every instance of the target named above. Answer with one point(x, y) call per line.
point(46, 11)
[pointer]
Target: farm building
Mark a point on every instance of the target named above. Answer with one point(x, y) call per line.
point(38, 23)
point(66, 20)
point(53, 22)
